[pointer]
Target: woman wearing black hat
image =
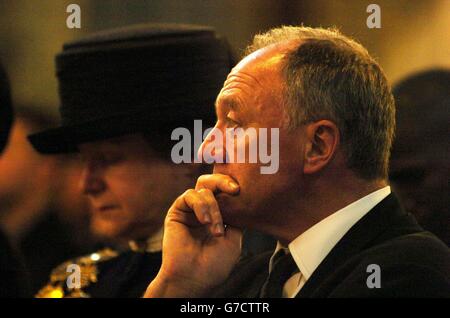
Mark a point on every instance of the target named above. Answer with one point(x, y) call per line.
point(122, 94)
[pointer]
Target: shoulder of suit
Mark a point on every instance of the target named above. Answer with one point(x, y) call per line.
point(407, 254)
point(71, 278)
point(412, 265)
point(420, 246)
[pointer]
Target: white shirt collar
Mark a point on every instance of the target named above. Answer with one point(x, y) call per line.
point(311, 247)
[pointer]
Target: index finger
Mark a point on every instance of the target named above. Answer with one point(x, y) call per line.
point(217, 183)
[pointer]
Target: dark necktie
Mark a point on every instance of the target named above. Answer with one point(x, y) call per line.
point(283, 268)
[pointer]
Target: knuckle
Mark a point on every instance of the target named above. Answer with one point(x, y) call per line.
point(188, 192)
point(225, 180)
point(169, 219)
point(206, 192)
point(176, 203)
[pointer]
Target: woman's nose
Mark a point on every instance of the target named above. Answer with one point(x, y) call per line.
point(91, 181)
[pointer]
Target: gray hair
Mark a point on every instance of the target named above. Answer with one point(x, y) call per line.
point(330, 76)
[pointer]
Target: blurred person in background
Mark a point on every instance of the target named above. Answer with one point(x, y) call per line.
point(420, 158)
point(123, 92)
point(13, 277)
point(39, 210)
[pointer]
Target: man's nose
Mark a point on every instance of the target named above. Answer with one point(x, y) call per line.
point(91, 181)
point(213, 148)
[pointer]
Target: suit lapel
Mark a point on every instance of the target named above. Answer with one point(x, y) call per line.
point(359, 237)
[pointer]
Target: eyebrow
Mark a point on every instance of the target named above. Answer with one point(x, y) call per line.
point(229, 101)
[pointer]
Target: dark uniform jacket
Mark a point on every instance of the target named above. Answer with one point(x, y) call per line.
point(45, 245)
point(105, 274)
point(412, 262)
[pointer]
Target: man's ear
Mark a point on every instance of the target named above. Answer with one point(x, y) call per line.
point(322, 141)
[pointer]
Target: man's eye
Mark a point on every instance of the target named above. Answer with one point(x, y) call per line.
point(232, 123)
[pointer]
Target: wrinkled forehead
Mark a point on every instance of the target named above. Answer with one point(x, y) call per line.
point(258, 72)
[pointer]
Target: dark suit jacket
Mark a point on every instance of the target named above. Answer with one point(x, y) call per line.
point(413, 263)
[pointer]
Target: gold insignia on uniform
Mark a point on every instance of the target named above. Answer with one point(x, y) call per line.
point(57, 287)
point(51, 292)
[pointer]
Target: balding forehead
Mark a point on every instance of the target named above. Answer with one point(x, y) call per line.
point(271, 54)
point(269, 57)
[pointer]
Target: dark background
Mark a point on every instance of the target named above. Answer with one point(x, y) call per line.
point(414, 33)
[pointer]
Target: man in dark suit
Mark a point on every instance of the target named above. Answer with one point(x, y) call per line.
point(340, 230)
point(420, 158)
point(122, 93)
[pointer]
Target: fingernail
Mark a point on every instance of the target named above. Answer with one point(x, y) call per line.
point(207, 218)
point(233, 185)
point(219, 229)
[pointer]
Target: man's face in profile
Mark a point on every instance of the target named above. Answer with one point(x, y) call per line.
point(420, 177)
point(419, 167)
point(251, 98)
